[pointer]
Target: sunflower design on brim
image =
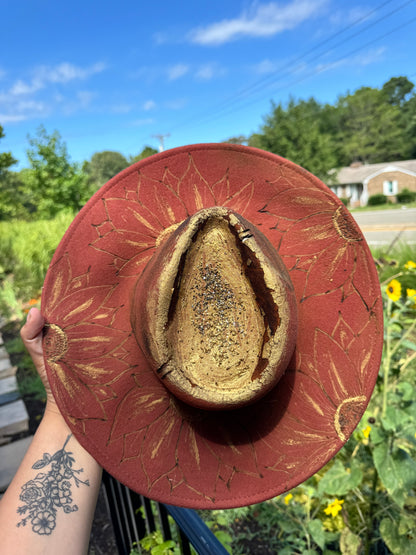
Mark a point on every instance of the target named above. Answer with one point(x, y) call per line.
point(116, 405)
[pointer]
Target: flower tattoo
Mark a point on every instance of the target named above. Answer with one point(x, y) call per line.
point(49, 491)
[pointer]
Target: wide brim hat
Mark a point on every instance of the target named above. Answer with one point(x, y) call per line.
point(98, 358)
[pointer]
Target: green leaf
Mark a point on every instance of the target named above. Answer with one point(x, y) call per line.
point(409, 344)
point(350, 543)
point(224, 538)
point(378, 435)
point(164, 548)
point(399, 544)
point(394, 419)
point(407, 391)
point(396, 470)
point(317, 532)
point(338, 480)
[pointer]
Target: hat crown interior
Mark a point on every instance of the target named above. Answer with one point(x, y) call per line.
point(215, 313)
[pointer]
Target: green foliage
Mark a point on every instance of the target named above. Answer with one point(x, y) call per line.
point(26, 249)
point(155, 544)
point(406, 196)
point(9, 185)
point(397, 90)
point(6, 158)
point(103, 166)
point(364, 500)
point(55, 183)
point(370, 128)
point(369, 125)
point(145, 153)
point(295, 133)
point(377, 200)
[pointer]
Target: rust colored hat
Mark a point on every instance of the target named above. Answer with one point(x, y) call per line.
point(214, 326)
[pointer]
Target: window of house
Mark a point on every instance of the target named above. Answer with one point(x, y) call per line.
point(390, 188)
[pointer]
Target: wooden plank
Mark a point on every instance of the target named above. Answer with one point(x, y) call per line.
point(6, 369)
point(13, 420)
point(4, 363)
point(8, 384)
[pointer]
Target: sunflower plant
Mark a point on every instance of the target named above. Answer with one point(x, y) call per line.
point(364, 500)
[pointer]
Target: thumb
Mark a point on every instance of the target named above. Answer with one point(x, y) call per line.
point(32, 334)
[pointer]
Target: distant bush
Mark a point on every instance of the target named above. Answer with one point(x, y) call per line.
point(345, 201)
point(376, 200)
point(406, 196)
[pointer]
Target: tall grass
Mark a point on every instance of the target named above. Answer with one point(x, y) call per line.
point(26, 249)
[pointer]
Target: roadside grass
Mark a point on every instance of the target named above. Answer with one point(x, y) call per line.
point(388, 206)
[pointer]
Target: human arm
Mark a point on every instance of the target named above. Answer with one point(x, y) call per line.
point(49, 506)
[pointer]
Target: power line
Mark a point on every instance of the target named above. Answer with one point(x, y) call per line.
point(320, 70)
point(221, 108)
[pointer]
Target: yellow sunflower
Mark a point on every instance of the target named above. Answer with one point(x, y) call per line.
point(410, 265)
point(411, 294)
point(394, 290)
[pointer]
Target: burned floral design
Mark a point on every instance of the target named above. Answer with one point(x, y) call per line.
point(120, 409)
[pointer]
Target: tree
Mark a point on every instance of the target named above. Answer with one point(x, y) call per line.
point(103, 166)
point(238, 140)
point(8, 184)
point(294, 132)
point(397, 89)
point(6, 158)
point(145, 153)
point(55, 182)
point(370, 129)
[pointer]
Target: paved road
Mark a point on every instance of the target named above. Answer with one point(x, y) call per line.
point(382, 227)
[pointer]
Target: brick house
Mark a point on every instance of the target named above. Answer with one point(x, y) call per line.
point(360, 181)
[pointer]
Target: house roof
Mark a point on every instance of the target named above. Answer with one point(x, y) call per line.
point(361, 173)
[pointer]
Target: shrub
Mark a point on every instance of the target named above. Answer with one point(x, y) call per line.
point(406, 196)
point(376, 200)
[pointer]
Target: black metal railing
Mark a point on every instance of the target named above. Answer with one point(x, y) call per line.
point(134, 517)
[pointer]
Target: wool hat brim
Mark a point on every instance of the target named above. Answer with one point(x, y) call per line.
point(113, 402)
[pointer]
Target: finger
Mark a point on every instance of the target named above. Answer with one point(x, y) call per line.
point(31, 334)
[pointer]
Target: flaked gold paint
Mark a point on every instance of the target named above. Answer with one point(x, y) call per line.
point(359, 399)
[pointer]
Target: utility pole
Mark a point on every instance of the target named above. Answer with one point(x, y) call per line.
point(161, 139)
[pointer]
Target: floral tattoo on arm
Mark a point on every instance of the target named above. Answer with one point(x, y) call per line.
point(49, 491)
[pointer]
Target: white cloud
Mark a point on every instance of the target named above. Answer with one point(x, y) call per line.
point(22, 88)
point(62, 73)
point(140, 122)
point(177, 71)
point(265, 66)
point(370, 57)
point(21, 101)
point(260, 20)
point(176, 104)
point(149, 105)
point(352, 15)
point(121, 108)
point(11, 118)
point(363, 59)
point(65, 72)
point(85, 98)
point(206, 72)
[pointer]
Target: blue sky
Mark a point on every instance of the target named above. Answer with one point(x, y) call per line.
point(113, 75)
